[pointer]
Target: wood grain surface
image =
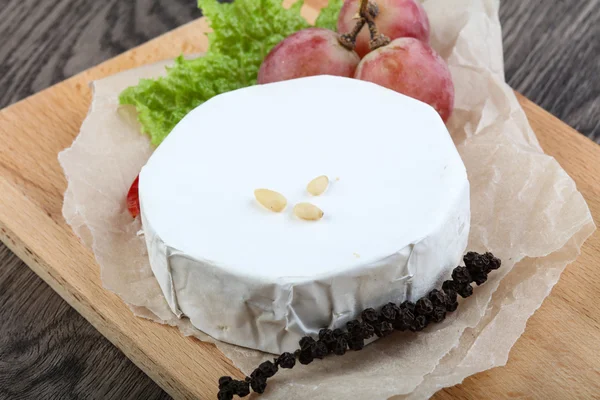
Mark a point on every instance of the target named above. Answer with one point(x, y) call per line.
point(48, 350)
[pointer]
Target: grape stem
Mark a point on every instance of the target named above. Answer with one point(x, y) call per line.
point(368, 11)
point(348, 40)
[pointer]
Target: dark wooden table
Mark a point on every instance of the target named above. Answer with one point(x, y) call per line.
point(47, 350)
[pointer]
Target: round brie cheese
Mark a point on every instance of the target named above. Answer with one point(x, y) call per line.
point(396, 212)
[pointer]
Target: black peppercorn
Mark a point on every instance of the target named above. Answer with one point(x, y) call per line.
point(404, 320)
point(355, 330)
point(420, 322)
point(479, 277)
point(461, 275)
point(359, 330)
point(438, 314)
point(352, 326)
point(326, 335)
point(437, 297)
point(356, 344)
point(257, 373)
point(223, 381)
point(472, 259)
point(451, 296)
point(383, 328)
point(409, 305)
point(306, 356)
point(479, 265)
point(494, 263)
point(449, 285)
point(341, 344)
point(465, 291)
point(225, 393)
point(369, 316)
point(259, 384)
point(389, 312)
point(368, 331)
point(241, 388)
point(452, 307)
point(320, 350)
point(286, 360)
point(337, 333)
point(267, 369)
point(424, 306)
point(476, 263)
point(307, 343)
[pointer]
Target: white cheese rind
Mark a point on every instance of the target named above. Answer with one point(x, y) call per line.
point(395, 224)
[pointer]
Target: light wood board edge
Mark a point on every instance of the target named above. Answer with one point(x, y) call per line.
point(31, 234)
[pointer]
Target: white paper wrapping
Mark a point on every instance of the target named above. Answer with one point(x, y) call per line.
point(525, 209)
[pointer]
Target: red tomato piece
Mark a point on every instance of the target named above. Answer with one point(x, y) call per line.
point(133, 198)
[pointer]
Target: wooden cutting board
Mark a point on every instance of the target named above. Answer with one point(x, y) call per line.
point(557, 357)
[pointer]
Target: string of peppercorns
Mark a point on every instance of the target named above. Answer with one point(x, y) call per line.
point(407, 316)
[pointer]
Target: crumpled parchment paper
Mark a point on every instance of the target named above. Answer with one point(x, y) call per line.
point(525, 209)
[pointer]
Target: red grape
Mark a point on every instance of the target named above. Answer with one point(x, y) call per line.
point(309, 52)
point(411, 67)
point(396, 18)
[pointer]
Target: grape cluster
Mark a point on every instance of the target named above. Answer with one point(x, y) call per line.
point(394, 50)
point(395, 19)
point(407, 316)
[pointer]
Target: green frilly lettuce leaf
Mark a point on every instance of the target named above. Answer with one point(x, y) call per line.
point(243, 34)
